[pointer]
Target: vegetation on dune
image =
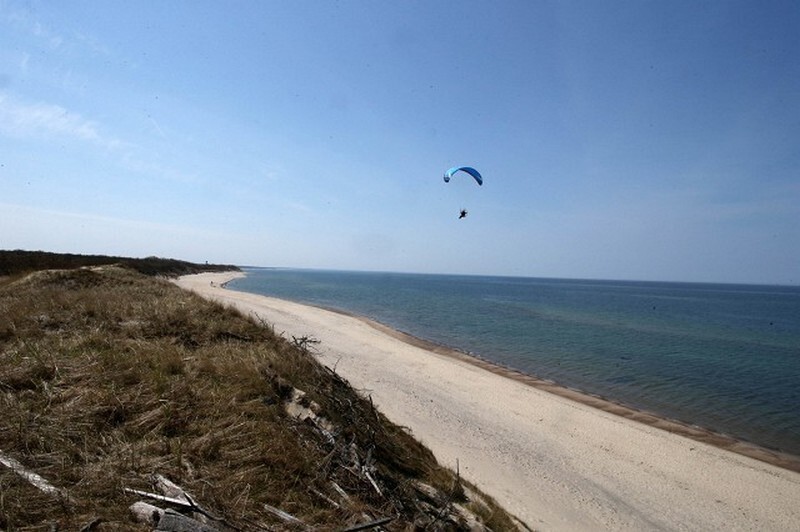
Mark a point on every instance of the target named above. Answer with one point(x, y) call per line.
point(20, 262)
point(109, 378)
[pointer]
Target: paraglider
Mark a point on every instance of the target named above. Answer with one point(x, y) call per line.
point(468, 170)
point(471, 171)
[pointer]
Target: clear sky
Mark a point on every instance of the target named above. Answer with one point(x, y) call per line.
point(617, 140)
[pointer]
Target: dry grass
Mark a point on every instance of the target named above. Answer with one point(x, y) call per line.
point(107, 377)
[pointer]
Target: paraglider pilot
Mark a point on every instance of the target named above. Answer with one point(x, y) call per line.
point(468, 170)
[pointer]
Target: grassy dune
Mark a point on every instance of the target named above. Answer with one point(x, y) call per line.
point(17, 262)
point(108, 377)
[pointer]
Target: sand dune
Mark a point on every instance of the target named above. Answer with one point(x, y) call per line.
point(556, 463)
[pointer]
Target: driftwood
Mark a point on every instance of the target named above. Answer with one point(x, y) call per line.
point(170, 520)
point(304, 343)
point(367, 468)
point(303, 409)
point(448, 509)
point(184, 501)
point(169, 488)
point(325, 498)
point(35, 480)
point(162, 498)
point(283, 516)
point(342, 494)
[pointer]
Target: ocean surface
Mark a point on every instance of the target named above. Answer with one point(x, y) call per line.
point(722, 357)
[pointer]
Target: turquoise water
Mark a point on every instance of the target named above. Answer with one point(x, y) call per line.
point(724, 357)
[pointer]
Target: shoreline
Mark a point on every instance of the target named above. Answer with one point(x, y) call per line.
point(698, 433)
point(695, 432)
point(601, 484)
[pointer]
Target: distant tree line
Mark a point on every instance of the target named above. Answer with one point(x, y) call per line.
point(18, 261)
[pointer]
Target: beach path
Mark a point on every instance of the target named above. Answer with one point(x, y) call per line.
point(555, 463)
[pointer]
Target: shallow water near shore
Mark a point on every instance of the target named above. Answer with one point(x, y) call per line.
point(723, 357)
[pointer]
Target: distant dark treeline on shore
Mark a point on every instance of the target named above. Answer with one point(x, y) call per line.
point(18, 261)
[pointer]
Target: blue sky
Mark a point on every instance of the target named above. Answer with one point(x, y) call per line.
point(618, 140)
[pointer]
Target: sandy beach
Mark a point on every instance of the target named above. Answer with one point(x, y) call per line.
point(556, 461)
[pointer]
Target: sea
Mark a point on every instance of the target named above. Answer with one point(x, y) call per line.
point(723, 357)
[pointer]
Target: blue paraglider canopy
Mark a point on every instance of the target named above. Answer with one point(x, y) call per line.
point(471, 171)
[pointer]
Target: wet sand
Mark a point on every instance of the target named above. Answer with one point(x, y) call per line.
point(556, 458)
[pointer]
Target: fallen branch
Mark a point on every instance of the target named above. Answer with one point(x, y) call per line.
point(305, 343)
point(162, 498)
point(35, 480)
point(343, 494)
point(325, 498)
point(372, 481)
point(289, 518)
point(184, 502)
point(367, 468)
point(456, 490)
point(169, 488)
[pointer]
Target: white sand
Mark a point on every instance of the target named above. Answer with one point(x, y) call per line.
point(556, 463)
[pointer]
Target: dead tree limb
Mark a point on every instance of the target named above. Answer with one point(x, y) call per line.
point(283, 516)
point(35, 480)
point(325, 498)
point(185, 501)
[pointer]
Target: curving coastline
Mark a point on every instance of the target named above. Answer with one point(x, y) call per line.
point(701, 434)
point(557, 458)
